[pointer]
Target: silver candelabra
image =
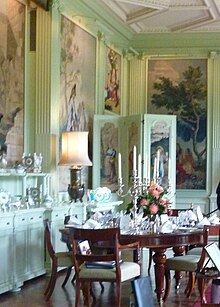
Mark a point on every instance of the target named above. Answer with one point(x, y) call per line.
point(137, 188)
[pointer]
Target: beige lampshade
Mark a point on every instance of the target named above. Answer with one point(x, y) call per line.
point(75, 149)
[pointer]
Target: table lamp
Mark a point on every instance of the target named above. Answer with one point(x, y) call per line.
point(75, 153)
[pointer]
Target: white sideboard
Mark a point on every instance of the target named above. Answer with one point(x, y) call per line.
point(22, 247)
point(29, 245)
point(7, 252)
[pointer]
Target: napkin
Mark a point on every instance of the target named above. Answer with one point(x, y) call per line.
point(192, 216)
point(203, 222)
point(124, 222)
point(73, 221)
point(214, 219)
point(92, 224)
point(166, 227)
point(199, 214)
point(183, 218)
point(97, 215)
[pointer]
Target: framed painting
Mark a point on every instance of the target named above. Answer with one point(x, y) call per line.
point(114, 135)
point(12, 47)
point(179, 87)
point(132, 129)
point(112, 81)
point(106, 146)
point(159, 151)
point(77, 85)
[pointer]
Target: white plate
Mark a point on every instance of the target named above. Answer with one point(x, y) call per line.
point(187, 228)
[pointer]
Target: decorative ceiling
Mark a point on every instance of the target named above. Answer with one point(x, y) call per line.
point(166, 16)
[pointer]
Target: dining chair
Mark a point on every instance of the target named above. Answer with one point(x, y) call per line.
point(86, 269)
point(171, 212)
point(210, 273)
point(188, 263)
point(60, 259)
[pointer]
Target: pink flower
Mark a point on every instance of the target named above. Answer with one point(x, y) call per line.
point(144, 202)
point(151, 189)
point(155, 193)
point(160, 189)
point(165, 202)
point(153, 209)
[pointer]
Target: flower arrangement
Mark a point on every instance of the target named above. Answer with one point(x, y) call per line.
point(153, 202)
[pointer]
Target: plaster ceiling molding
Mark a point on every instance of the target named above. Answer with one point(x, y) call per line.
point(155, 4)
point(152, 16)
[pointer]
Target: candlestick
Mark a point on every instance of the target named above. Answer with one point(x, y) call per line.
point(119, 166)
point(134, 159)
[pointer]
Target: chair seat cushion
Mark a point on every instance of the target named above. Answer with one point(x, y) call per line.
point(129, 270)
point(182, 263)
point(195, 251)
point(64, 259)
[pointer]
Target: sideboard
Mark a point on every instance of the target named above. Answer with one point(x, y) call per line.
point(22, 247)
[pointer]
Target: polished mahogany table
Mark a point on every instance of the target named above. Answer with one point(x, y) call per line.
point(158, 243)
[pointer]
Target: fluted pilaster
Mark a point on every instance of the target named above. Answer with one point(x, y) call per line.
point(137, 86)
point(43, 79)
point(214, 124)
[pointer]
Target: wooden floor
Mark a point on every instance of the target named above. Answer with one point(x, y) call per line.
point(31, 294)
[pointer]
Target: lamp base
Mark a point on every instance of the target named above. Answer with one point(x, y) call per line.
point(75, 188)
point(76, 192)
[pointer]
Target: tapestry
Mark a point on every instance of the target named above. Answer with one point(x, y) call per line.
point(179, 87)
point(12, 41)
point(77, 83)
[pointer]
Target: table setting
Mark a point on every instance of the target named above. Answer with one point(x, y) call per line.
point(186, 221)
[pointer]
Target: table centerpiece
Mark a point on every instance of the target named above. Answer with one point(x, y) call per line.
point(152, 202)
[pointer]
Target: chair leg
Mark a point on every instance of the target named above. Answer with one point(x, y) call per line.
point(167, 285)
point(86, 292)
point(52, 282)
point(118, 292)
point(150, 260)
point(77, 299)
point(201, 287)
point(68, 273)
point(191, 284)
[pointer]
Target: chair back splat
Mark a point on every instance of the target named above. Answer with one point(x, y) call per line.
point(100, 261)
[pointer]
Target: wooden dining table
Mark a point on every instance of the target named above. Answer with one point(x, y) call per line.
point(159, 243)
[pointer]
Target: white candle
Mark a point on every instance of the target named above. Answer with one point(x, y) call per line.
point(134, 159)
point(155, 168)
point(158, 163)
point(139, 166)
point(119, 166)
